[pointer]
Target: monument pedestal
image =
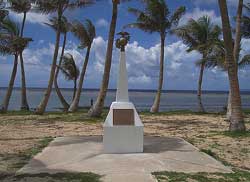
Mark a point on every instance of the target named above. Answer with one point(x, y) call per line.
point(123, 129)
point(122, 138)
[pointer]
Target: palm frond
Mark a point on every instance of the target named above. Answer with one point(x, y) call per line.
point(85, 32)
point(142, 26)
point(10, 27)
point(200, 35)
point(20, 6)
point(48, 6)
point(73, 4)
point(64, 25)
point(245, 27)
point(52, 6)
point(245, 61)
point(69, 68)
point(177, 15)
point(155, 17)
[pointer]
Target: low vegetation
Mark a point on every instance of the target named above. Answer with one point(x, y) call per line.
point(238, 176)
point(23, 134)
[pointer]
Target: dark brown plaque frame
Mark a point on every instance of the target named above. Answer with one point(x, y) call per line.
point(123, 117)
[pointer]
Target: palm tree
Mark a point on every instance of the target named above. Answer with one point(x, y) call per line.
point(236, 49)
point(3, 11)
point(96, 109)
point(86, 34)
point(236, 119)
point(157, 18)
point(22, 7)
point(11, 44)
point(59, 7)
point(69, 69)
point(64, 29)
point(200, 35)
point(245, 27)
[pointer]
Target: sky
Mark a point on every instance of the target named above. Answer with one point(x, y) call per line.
point(142, 52)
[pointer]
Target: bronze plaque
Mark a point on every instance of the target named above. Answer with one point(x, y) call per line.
point(123, 117)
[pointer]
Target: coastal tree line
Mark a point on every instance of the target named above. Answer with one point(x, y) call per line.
point(199, 35)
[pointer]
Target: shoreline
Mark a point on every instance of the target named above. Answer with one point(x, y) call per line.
point(133, 90)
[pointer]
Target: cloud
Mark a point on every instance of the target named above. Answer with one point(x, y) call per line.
point(212, 2)
point(142, 63)
point(197, 13)
point(102, 23)
point(34, 18)
point(39, 56)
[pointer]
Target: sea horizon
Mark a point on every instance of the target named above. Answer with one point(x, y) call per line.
point(243, 91)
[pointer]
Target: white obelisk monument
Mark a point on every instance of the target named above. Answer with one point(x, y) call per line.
point(123, 129)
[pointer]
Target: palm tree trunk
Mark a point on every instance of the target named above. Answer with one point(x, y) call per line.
point(74, 92)
point(58, 92)
point(238, 32)
point(4, 106)
point(42, 106)
point(236, 48)
point(199, 91)
point(96, 110)
point(236, 119)
point(229, 106)
point(75, 103)
point(156, 105)
point(24, 102)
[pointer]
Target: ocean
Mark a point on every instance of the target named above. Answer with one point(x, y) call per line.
point(214, 101)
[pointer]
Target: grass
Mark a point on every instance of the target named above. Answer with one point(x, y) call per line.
point(79, 116)
point(39, 147)
point(246, 111)
point(214, 155)
point(232, 134)
point(17, 161)
point(57, 177)
point(174, 112)
point(245, 151)
point(236, 134)
point(237, 176)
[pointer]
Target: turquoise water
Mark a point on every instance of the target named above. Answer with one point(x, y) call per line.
point(172, 100)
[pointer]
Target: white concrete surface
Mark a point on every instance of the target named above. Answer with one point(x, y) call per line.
point(85, 154)
point(122, 139)
point(122, 82)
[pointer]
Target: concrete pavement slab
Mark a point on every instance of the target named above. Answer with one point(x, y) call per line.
point(85, 154)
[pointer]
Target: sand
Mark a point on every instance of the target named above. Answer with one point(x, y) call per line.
point(20, 133)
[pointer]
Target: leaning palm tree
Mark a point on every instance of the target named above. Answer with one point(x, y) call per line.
point(86, 34)
point(22, 7)
point(96, 109)
point(64, 29)
point(157, 18)
point(236, 119)
point(11, 44)
point(201, 36)
point(69, 69)
point(59, 7)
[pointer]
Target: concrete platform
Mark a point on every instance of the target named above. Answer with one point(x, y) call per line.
point(85, 154)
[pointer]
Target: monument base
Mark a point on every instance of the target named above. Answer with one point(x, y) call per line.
point(123, 139)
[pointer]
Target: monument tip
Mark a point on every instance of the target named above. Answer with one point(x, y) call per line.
point(123, 40)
